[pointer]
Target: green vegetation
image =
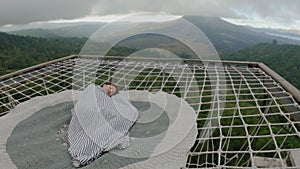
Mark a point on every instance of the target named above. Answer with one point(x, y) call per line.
point(234, 124)
point(121, 51)
point(154, 79)
point(283, 59)
point(18, 52)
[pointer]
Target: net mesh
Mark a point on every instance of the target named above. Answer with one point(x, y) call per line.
point(256, 127)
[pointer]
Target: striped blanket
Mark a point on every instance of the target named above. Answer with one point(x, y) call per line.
point(99, 123)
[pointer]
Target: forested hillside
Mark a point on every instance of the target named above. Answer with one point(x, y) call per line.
point(283, 59)
point(17, 52)
point(225, 37)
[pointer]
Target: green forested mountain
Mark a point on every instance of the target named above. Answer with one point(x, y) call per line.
point(283, 59)
point(38, 32)
point(225, 37)
point(17, 52)
point(76, 30)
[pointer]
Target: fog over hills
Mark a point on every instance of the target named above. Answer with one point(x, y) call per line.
point(226, 37)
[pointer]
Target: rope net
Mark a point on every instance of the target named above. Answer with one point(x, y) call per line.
point(256, 127)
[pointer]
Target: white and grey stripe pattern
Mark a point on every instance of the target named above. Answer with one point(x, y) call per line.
point(82, 148)
point(99, 124)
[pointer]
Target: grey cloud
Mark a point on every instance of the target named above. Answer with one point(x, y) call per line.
point(16, 12)
point(277, 10)
point(26, 11)
point(177, 7)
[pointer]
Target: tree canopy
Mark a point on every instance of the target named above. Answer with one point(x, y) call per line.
point(283, 59)
point(17, 52)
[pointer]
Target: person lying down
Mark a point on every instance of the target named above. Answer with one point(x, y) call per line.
point(100, 122)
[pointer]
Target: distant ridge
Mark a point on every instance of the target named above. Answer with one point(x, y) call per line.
point(76, 30)
point(38, 32)
point(226, 37)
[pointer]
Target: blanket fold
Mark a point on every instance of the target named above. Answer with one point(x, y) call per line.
point(99, 123)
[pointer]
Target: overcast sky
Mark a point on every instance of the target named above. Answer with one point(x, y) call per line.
point(269, 13)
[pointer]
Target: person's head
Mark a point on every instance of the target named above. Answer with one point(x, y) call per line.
point(110, 88)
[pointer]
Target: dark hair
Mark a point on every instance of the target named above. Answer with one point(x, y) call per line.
point(109, 83)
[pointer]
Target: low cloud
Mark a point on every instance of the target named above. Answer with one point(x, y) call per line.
point(21, 12)
point(26, 11)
